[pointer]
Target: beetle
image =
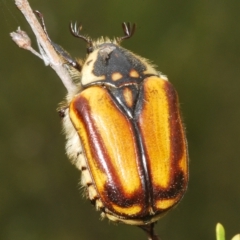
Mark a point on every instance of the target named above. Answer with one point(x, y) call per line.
point(124, 132)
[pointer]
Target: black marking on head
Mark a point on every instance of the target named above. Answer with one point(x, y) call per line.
point(113, 59)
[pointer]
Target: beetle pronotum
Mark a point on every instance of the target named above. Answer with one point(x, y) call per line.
point(124, 132)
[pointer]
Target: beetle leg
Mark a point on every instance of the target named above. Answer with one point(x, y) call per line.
point(149, 229)
point(65, 55)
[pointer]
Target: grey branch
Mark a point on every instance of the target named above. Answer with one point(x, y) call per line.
point(47, 52)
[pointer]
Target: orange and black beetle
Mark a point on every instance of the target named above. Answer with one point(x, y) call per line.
point(123, 128)
point(125, 133)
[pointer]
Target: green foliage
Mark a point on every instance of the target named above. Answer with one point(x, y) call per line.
point(220, 232)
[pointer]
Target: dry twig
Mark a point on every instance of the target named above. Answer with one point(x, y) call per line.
point(47, 52)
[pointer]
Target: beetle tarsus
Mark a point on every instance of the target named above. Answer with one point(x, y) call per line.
point(149, 229)
point(57, 48)
point(42, 22)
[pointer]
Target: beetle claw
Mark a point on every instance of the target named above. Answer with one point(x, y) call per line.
point(42, 22)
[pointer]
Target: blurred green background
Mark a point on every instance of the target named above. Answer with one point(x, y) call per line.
point(195, 43)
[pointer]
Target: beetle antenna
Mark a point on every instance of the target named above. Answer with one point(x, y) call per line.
point(128, 31)
point(75, 30)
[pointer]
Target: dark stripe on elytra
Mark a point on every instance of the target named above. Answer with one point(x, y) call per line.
point(178, 179)
point(174, 191)
point(84, 114)
point(114, 192)
point(176, 129)
point(178, 139)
